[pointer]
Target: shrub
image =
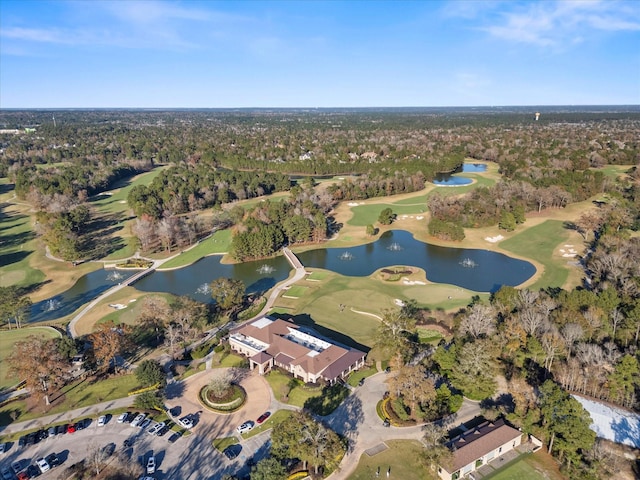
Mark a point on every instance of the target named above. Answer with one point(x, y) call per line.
point(446, 230)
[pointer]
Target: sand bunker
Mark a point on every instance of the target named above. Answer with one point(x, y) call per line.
point(406, 281)
point(117, 306)
point(495, 239)
point(399, 302)
point(353, 204)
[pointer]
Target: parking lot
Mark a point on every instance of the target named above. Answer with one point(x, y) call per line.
point(188, 457)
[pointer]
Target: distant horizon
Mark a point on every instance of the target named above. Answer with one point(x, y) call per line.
point(133, 54)
point(416, 107)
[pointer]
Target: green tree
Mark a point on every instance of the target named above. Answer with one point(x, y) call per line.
point(268, 469)
point(507, 221)
point(386, 216)
point(38, 362)
point(149, 372)
point(152, 400)
point(625, 379)
point(394, 334)
point(304, 438)
point(473, 371)
point(566, 422)
point(14, 306)
point(228, 293)
point(371, 231)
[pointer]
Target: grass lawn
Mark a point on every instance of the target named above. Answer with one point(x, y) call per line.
point(227, 360)
point(8, 338)
point(528, 467)
point(17, 246)
point(539, 243)
point(221, 443)
point(298, 395)
point(274, 420)
point(296, 291)
point(364, 215)
point(76, 395)
point(218, 243)
point(320, 306)
point(401, 457)
point(426, 335)
point(355, 377)
point(317, 276)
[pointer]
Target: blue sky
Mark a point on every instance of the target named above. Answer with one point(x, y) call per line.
point(191, 54)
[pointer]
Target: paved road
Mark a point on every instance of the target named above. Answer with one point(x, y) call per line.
point(357, 419)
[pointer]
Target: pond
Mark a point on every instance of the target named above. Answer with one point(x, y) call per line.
point(450, 178)
point(477, 270)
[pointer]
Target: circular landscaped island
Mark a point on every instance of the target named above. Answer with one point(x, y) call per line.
point(222, 396)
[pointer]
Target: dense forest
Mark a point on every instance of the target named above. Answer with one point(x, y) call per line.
point(521, 353)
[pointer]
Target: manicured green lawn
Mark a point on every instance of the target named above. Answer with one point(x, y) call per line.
point(218, 243)
point(355, 377)
point(8, 338)
point(228, 360)
point(364, 215)
point(527, 467)
point(16, 247)
point(427, 336)
point(401, 457)
point(279, 383)
point(275, 419)
point(539, 243)
point(77, 395)
point(317, 276)
point(296, 291)
point(117, 202)
point(320, 306)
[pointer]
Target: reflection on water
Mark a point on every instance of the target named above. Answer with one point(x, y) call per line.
point(451, 179)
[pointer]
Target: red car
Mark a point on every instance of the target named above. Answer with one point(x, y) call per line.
point(71, 428)
point(263, 417)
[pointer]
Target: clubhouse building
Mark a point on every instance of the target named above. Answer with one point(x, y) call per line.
point(267, 343)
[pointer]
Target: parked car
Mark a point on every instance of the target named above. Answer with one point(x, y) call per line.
point(42, 434)
point(145, 423)
point(246, 427)
point(263, 417)
point(52, 431)
point(22, 441)
point(123, 417)
point(43, 465)
point(151, 465)
point(186, 422)
point(139, 419)
point(33, 471)
point(61, 429)
point(52, 459)
point(71, 428)
point(22, 475)
point(163, 431)
point(6, 473)
point(4, 447)
point(174, 437)
point(386, 423)
point(16, 466)
point(232, 451)
point(32, 438)
point(361, 382)
point(102, 420)
point(156, 428)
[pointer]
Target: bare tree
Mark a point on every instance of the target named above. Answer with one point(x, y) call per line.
point(480, 321)
point(571, 333)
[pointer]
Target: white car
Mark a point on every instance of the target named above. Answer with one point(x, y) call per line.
point(102, 420)
point(186, 422)
point(246, 427)
point(43, 465)
point(151, 465)
point(139, 419)
point(156, 428)
point(122, 417)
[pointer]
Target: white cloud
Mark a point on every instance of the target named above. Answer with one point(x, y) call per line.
point(562, 23)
